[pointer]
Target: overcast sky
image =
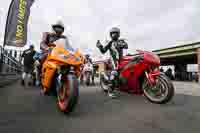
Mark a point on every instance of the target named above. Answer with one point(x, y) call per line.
point(146, 24)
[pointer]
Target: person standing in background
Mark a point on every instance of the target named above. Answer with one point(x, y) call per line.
point(28, 63)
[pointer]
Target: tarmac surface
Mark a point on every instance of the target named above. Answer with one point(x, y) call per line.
point(26, 110)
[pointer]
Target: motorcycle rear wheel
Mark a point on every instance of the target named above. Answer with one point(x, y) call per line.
point(167, 90)
point(68, 94)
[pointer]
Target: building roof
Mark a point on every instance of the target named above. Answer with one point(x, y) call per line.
point(178, 48)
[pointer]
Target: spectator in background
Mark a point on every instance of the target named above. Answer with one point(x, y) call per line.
point(161, 69)
point(195, 76)
point(96, 67)
point(87, 60)
point(37, 67)
point(169, 74)
point(28, 63)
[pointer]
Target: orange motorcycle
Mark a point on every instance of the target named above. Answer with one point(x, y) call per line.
point(60, 73)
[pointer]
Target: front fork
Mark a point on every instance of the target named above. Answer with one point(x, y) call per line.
point(152, 76)
point(62, 77)
point(59, 82)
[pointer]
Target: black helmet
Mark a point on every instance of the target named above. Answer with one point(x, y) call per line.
point(115, 33)
point(87, 56)
point(31, 46)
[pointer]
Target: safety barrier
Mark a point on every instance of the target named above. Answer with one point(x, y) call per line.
point(10, 67)
point(8, 64)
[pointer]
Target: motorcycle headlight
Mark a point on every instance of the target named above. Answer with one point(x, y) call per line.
point(72, 68)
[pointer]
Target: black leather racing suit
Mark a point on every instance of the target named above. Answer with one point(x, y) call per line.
point(116, 51)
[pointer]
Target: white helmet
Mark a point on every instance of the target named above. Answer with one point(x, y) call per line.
point(59, 24)
point(114, 30)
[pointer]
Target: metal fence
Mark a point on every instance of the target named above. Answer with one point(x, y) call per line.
point(8, 63)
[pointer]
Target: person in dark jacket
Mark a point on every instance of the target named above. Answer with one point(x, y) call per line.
point(115, 47)
point(28, 63)
point(169, 74)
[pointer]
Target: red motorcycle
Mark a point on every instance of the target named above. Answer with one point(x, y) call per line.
point(140, 74)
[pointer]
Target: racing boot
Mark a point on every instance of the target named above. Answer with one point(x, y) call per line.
point(112, 89)
point(23, 79)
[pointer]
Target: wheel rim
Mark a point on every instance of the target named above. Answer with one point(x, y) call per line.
point(63, 95)
point(158, 92)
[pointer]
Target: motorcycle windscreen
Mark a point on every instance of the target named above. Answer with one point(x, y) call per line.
point(64, 43)
point(65, 53)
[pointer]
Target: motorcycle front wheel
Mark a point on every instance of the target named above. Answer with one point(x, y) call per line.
point(103, 84)
point(68, 94)
point(160, 93)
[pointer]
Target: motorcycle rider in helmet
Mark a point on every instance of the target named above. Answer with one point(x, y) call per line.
point(115, 47)
point(58, 30)
point(87, 60)
point(48, 38)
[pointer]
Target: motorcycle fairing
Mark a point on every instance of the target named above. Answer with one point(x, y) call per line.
point(125, 63)
point(132, 74)
point(150, 57)
point(66, 57)
point(61, 55)
point(48, 72)
point(132, 69)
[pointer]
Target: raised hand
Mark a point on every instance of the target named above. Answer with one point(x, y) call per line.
point(98, 44)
